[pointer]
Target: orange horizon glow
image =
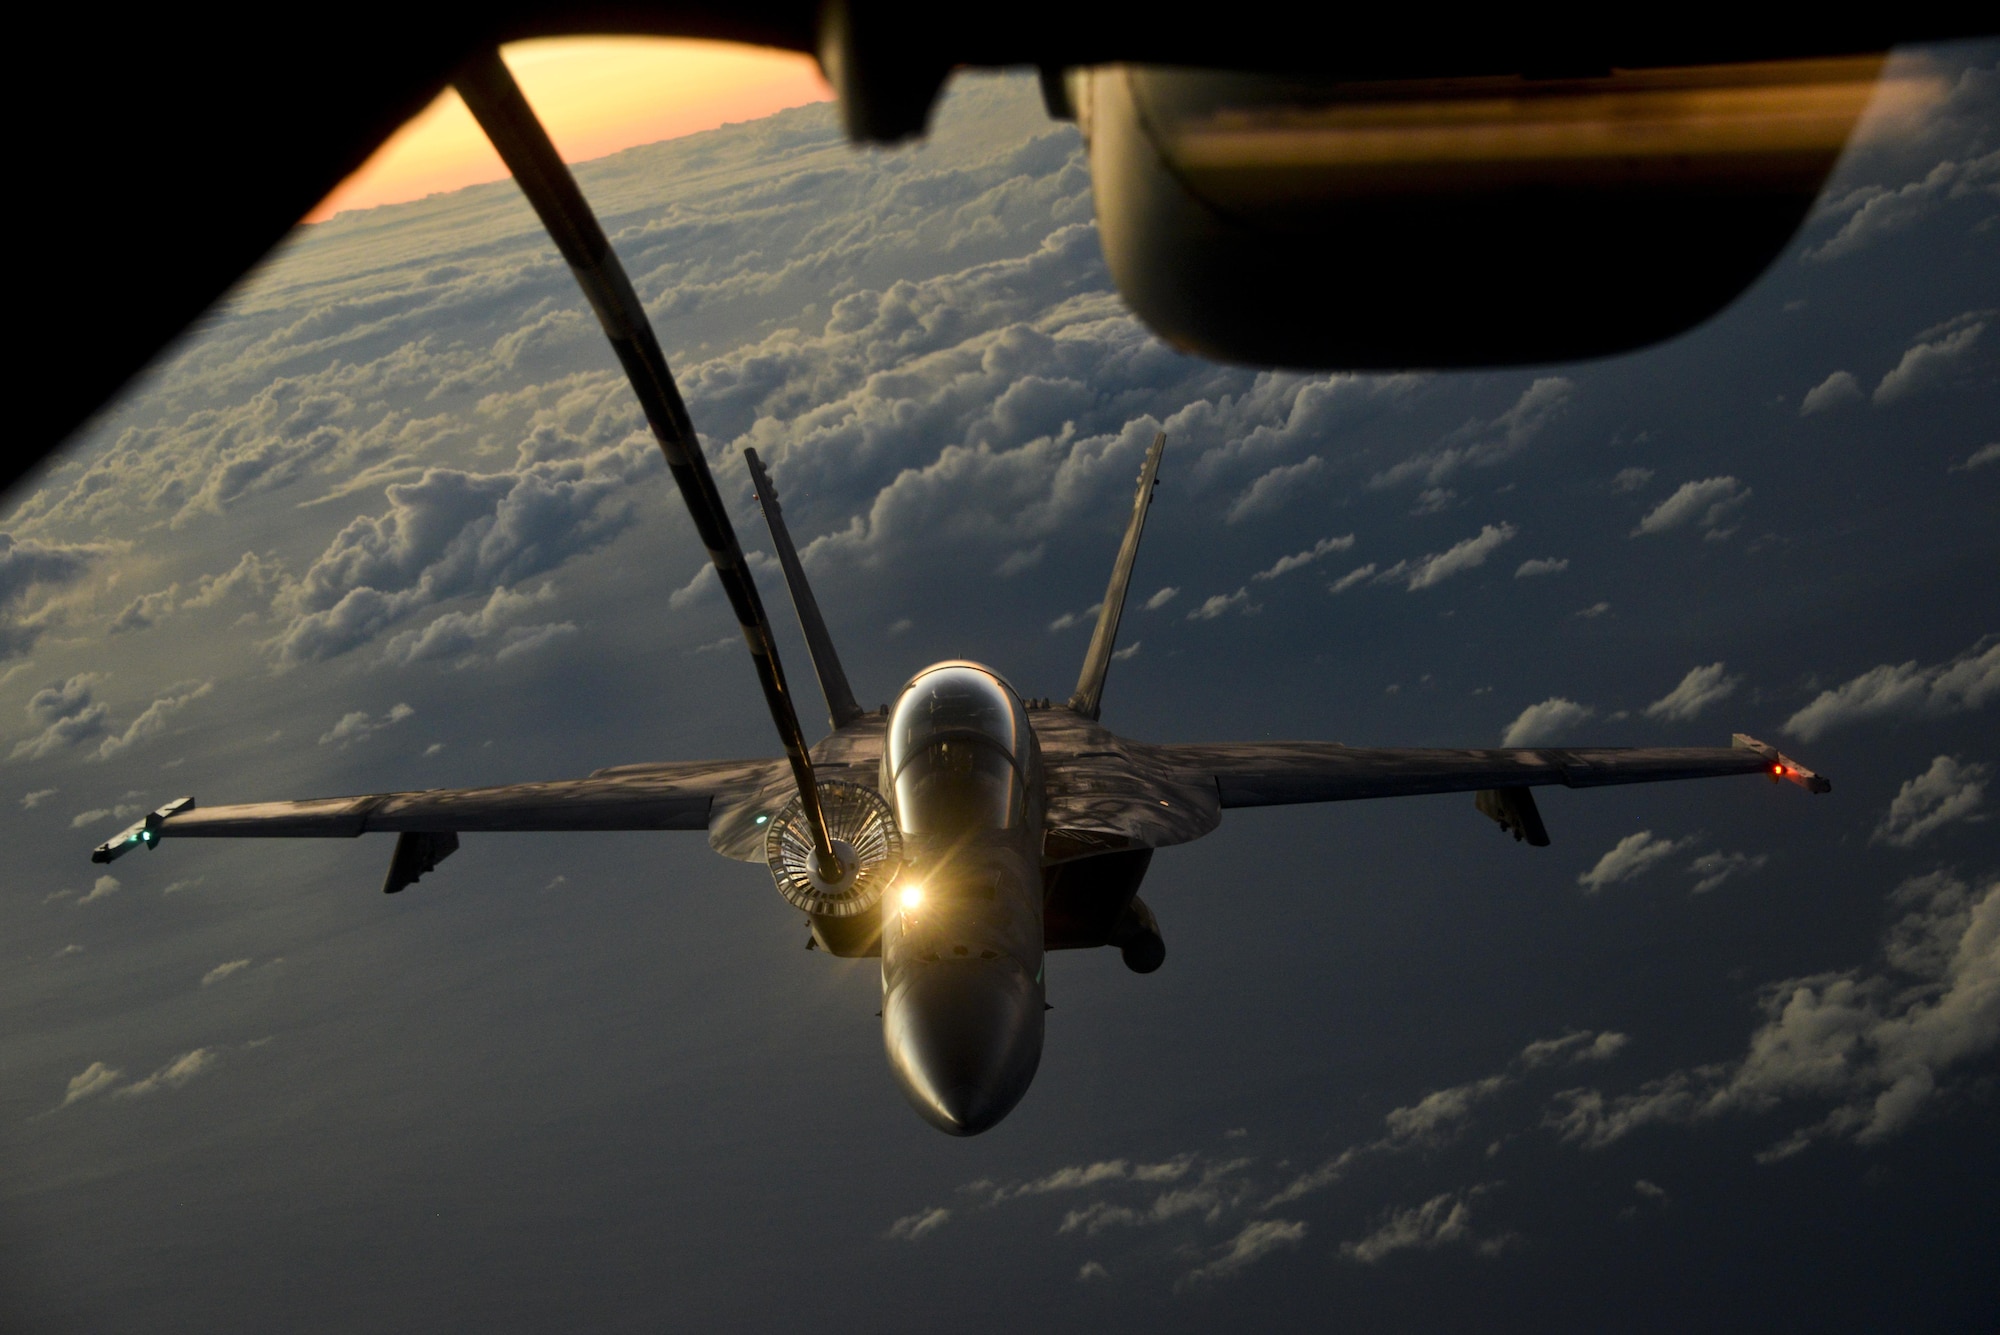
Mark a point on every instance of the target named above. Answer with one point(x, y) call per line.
point(596, 95)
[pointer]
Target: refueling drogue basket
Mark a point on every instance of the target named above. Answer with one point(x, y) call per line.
point(865, 836)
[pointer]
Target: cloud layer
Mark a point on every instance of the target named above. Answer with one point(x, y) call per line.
point(1904, 690)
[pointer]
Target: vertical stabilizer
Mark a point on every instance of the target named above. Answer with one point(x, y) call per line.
point(1089, 697)
point(840, 706)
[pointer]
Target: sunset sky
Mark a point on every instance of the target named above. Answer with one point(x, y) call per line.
point(596, 95)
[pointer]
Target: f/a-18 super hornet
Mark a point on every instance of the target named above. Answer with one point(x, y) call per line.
point(960, 832)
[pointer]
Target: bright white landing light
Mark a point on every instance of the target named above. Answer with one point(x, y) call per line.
point(913, 895)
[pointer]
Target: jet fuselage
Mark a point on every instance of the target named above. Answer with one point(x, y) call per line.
point(963, 988)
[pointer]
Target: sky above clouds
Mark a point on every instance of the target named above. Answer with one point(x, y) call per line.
point(1723, 1052)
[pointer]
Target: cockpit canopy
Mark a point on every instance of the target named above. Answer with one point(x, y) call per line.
point(956, 746)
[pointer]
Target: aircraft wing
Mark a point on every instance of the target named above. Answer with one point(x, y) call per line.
point(687, 795)
point(1266, 774)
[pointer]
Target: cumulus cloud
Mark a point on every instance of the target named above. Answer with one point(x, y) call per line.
point(1092, 1270)
point(1434, 500)
point(1594, 611)
point(1541, 565)
point(1482, 444)
point(1579, 1045)
point(1358, 575)
point(1715, 868)
point(1220, 603)
point(1836, 389)
point(1068, 620)
point(1979, 458)
point(222, 971)
point(1161, 599)
point(1905, 690)
point(29, 801)
point(252, 578)
point(1931, 360)
point(1436, 567)
point(1279, 414)
point(68, 716)
point(102, 888)
point(1442, 1113)
point(1073, 1177)
point(912, 1227)
point(1442, 1116)
point(979, 408)
point(1545, 722)
point(451, 533)
point(1876, 211)
point(1023, 558)
point(154, 718)
point(994, 487)
point(1273, 489)
point(173, 1075)
point(1082, 1177)
point(1217, 1190)
point(1437, 1221)
point(1630, 857)
point(1879, 1045)
point(1631, 479)
point(457, 637)
point(1221, 1193)
point(29, 567)
point(1258, 1238)
point(1950, 790)
point(705, 585)
point(1286, 564)
point(1700, 688)
point(1440, 1220)
point(95, 1079)
point(1708, 502)
point(359, 726)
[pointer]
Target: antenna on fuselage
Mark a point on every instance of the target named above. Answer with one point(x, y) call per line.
point(497, 103)
point(1089, 698)
point(840, 705)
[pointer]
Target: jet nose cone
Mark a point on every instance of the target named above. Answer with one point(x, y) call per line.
point(964, 1039)
point(966, 1110)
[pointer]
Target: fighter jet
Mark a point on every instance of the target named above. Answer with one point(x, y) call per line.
point(958, 833)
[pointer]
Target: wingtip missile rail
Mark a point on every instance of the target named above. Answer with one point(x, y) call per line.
point(1783, 766)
